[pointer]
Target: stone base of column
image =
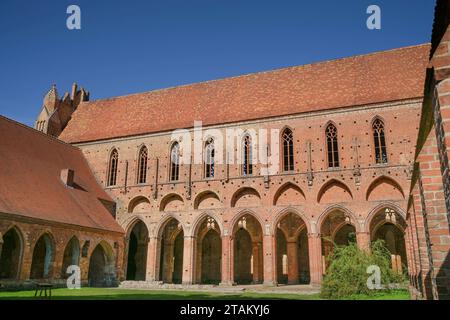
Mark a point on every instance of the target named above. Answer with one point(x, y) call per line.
point(270, 283)
point(227, 284)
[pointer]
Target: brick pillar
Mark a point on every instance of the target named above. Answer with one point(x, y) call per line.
point(151, 259)
point(231, 259)
point(433, 219)
point(84, 269)
point(292, 258)
point(167, 265)
point(198, 261)
point(26, 262)
point(315, 258)
point(269, 260)
point(226, 261)
point(410, 253)
point(419, 242)
point(257, 266)
point(188, 260)
point(437, 195)
point(363, 240)
point(56, 267)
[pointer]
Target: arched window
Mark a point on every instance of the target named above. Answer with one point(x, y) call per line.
point(332, 146)
point(288, 150)
point(142, 165)
point(112, 170)
point(379, 141)
point(247, 166)
point(175, 162)
point(209, 159)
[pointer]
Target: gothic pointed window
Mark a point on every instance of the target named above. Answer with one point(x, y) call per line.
point(142, 165)
point(379, 141)
point(288, 150)
point(209, 159)
point(247, 165)
point(332, 146)
point(175, 162)
point(112, 169)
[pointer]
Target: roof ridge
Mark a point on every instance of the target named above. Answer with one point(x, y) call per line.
point(256, 73)
point(38, 132)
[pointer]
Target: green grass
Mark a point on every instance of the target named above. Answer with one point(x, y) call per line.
point(129, 294)
point(392, 295)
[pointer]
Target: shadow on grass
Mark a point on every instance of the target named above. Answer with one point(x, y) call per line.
point(132, 294)
point(118, 294)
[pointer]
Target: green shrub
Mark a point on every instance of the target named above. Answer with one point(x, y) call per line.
point(347, 275)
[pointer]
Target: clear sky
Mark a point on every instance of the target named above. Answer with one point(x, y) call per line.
point(134, 46)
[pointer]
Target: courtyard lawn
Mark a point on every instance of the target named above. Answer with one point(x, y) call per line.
point(129, 294)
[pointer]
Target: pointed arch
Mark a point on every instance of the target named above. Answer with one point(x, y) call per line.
point(247, 153)
point(141, 176)
point(174, 156)
point(292, 193)
point(209, 159)
point(246, 212)
point(43, 256)
point(171, 202)
point(287, 145)
point(200, 219)
point(370, 222)
point(11, 253)
point(384, 188)
point(290, 231)
point(71, 255)
point(137, 247)
point(207, 231)
point(207, 199)
point(113, 167)
point(379, 140)
point(131, 223)
point(334, 191)
point(386, 222)
point(331, 136)
point(337, 226)
point(242, 213)
point(102, 270)
point(170, 239)
point(247, 248)
point(159, 229)
point(246, 197)
point(337, 208)
point(286, 211)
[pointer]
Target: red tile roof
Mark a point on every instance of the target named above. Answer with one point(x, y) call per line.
point(378, 77)
point(30, 184)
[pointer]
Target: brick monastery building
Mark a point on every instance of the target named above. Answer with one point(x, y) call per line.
point(100, 185)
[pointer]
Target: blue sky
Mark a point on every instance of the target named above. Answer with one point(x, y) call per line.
point(133, 46)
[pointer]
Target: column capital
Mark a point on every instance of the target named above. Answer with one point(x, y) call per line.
point(314, 235)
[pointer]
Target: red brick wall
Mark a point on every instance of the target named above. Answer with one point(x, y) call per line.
point(360, 188)
point(30, 230)
point(428, 214)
